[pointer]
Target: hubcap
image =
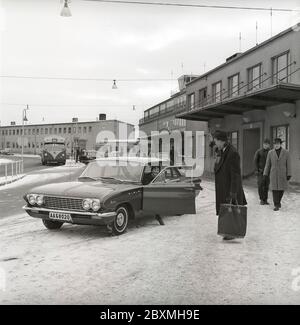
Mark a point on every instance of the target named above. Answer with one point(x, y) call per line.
point(120, 219)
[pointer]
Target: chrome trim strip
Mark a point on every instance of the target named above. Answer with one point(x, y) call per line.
point(65, 197)
point(90, 214)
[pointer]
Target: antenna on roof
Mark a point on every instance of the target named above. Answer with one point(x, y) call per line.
point(240, 42)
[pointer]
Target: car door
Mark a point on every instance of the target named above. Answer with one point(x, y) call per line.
point(168, 194)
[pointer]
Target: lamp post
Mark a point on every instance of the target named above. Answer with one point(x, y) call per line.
point(24, 119)
point(66, 12)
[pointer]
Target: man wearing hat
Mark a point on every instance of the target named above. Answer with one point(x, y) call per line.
point(228, 179)
point(260, 159)
point(278, 167)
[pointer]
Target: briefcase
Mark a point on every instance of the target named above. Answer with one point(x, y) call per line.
point(232, 220)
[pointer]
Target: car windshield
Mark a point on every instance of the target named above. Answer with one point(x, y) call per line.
point(99, 170)
point(54, 146)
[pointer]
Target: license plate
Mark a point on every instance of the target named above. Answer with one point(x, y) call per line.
point(66, 217)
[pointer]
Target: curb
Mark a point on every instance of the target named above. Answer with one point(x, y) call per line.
point(12, 180)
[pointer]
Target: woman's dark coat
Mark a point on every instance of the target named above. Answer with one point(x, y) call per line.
point(228, 178)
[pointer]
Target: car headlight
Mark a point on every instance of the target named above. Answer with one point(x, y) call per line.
point(31, 199)
point(96, 205)
point(46, 154)
point(40, 199)
point(87, 204)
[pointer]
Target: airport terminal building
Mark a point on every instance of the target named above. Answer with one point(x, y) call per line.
point(162, 117)
point(253, 95)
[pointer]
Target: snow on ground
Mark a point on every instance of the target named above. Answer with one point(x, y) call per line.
point(73, 163)
point(45, 175)
point(10, 179)
point(183, 262)
point(27, 155)
point(5, 160)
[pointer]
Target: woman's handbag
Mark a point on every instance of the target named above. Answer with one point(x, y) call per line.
point(232, 220)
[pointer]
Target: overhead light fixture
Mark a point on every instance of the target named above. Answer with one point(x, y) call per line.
point(289, 114)
point(114, 86)
point(66, 12)
point(246, 119)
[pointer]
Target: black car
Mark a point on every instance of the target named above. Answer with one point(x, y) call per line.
point(111, 191)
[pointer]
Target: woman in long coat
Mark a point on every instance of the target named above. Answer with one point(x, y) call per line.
point(278, 167)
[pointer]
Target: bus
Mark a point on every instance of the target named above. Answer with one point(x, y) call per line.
point(54, 150)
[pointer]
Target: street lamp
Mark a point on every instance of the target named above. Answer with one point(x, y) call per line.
point(66, 12)
point(114, 86)
point(24, 119)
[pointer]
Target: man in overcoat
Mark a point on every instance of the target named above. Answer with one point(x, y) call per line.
point(228, 178)
point(278, 168)
point(260, 159)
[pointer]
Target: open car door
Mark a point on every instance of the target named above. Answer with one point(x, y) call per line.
point(169, 194)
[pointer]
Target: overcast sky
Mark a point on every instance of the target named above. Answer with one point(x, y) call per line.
point(116, 41)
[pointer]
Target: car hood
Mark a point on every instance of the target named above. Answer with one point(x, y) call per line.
point(80, 189)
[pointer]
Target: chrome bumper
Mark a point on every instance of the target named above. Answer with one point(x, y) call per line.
point(92, 215)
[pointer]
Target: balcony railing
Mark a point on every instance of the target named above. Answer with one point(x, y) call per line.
point(172, 109)
point(225, 95)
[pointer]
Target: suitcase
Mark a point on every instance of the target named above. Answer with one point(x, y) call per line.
point(232, 220)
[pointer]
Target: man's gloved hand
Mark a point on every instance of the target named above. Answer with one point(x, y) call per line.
point(288, 177)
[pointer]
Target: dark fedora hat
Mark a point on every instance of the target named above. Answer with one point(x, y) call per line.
point(278, 140)
point(220, 135)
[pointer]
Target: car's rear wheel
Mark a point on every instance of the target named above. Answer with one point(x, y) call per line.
point(120, 223)
point(50, 224)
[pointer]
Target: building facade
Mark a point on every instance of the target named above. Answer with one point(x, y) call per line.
point(85, 134)
point(253, 95)
point(162, 116)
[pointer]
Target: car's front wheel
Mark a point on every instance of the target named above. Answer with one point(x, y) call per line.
point(49, 224)
point(120, 223)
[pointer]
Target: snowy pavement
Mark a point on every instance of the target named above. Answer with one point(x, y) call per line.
point(5, 160)
point(10, 179)
point(46, 175)
point(183, 262)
